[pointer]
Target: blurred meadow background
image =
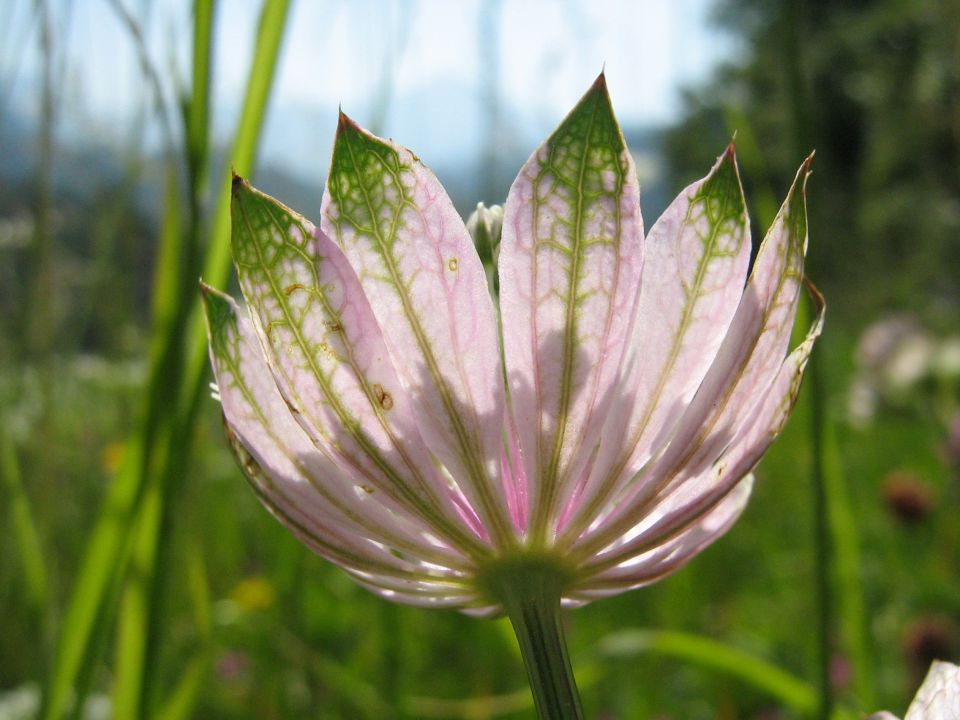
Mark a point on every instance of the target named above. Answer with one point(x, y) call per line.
point(139, 576)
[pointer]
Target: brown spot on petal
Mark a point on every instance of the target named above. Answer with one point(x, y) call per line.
point(453, 263)
point(227, 430)
point(328, 351)
point(288, 290)
point(251, 466)
point(367, 489)
point(333, 325)
point(290, 407)
point(383, 397)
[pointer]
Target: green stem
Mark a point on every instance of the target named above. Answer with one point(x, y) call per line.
point(821, 514)
point(530, 590)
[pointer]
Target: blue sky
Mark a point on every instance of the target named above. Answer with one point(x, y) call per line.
point(434, 56)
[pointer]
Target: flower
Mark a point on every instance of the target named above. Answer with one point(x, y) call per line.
point(600, 416)
point(908, 498)
point(896, 355)
point(937, 699)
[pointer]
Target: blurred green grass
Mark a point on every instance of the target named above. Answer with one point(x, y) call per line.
point(286, 634)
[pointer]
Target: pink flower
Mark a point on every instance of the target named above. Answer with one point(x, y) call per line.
point(602, 415)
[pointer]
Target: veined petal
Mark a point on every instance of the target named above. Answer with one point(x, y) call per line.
point(428, 291)
point(413, 590)
point(695, 263)
point(708, 479)
point(330, 361)
point(570, 263)
point(746, 364)
point(662, 560)
point(939, 696)
point(325, 508)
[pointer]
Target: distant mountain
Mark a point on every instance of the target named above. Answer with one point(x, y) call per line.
point(445, 127)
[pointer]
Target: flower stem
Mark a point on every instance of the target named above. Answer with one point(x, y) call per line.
point(530, 591)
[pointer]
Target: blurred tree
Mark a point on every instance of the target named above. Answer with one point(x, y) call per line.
point(874, 87)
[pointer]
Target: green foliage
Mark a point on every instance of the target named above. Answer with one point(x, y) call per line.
point(874, 88)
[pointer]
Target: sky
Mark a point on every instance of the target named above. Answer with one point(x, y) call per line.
point(421, 71)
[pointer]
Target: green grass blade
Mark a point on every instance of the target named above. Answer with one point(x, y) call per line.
point(842, 576)
point(822, 544)
point(25, 533)
point(157, 539)
point(711, 654)
point(108, 545)
point(131, 664)
point(178, 269)
point(84, 627)
point(847, 575)
point(273, 19)
point(182, 701)
point(197, 112)
point(242, 157)
point(100, 563)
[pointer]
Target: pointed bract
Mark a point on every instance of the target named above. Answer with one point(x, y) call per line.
point(417, 265)
point(738, 379)
point(329, 357)
point(570, 263)
point(695, 264)
point(303, 488)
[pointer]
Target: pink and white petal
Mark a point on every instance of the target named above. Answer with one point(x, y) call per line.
point(649, 566)
point(514, 476)
point(330, 360)
point(695, 264)
point(939, 696)
point(741, 375)
point(705, 485)
point(428, 290)
point(570, 263)
point(302, 487)
point(416, 599)
point(337, 545)
point(422, 591)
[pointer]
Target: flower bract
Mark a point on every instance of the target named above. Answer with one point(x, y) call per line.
point(937, 699)
point(600, 413)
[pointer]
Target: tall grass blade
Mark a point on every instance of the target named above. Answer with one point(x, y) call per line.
point(131, 665)
point(24, 527)
point(848, 586)
point(182, 701)
point(108, 547)
point(101, 562)
point(822, 544)
point(174, 464)
point(760, 674)
point(178, 268)
point(197, 108)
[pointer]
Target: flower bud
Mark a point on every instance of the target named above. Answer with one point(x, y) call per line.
point(485, 225)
